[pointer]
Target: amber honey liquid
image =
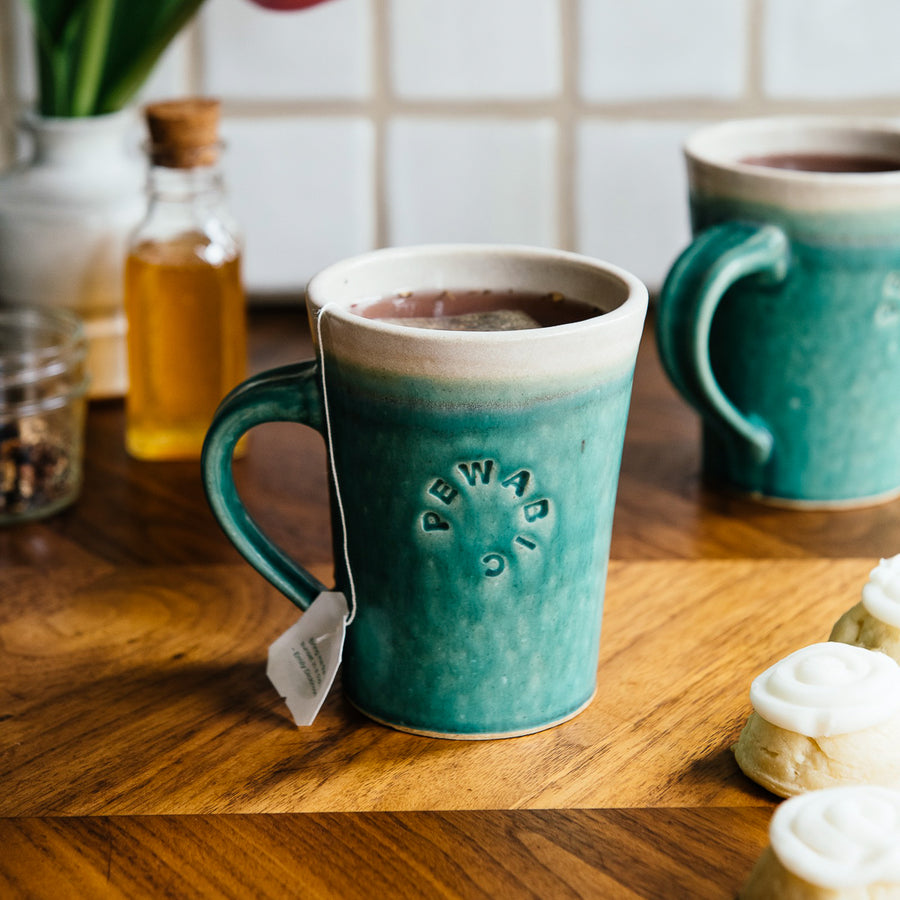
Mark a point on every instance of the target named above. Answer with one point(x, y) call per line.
point(186, 344)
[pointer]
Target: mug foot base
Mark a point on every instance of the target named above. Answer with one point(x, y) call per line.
point(475, 736)
point(803, 504)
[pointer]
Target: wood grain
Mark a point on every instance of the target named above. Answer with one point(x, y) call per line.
point(155, 513)
point(566, 854)
point(143, 692)
point(143, 752)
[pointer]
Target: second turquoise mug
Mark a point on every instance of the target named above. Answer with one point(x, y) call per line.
point(477, 473)
point(780, 323)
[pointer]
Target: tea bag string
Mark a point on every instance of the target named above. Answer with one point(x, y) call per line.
point(337, 489)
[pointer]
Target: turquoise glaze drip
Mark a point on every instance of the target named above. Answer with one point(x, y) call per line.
point(807, 350)
point(478, 539)
point(473, 487)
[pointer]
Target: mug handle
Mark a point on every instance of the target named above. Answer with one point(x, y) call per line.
point(286, 394)
point(717, 258)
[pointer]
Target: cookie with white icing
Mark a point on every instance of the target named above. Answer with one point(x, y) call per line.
point(826, 715)
point(875, 621)
point(842, 843)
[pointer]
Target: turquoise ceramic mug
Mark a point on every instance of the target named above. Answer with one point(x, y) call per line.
point(780, 323)
point(477, 472)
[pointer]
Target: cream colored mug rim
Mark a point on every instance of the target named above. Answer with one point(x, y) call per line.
point(724, 144)
point(605, 343)
point(325, 288)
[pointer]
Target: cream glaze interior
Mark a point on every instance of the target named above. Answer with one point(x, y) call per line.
point(605, 344)
point(714, 166)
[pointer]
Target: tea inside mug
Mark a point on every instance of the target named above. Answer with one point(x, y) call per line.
point(477, 310)
point(824, 162)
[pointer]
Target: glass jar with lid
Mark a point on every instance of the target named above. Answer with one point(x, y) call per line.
point(184, 296)
point(43, 386)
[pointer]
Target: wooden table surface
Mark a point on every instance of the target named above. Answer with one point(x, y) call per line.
point(143, 753)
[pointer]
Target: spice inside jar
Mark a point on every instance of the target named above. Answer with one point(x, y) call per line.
point(43, 383)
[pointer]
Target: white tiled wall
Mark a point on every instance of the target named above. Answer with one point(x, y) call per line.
point(363, 123)
point(466, 178)
point(847, 50)
point(630, 203)
point(250, 53)
point(475, 50)
point(661, 50)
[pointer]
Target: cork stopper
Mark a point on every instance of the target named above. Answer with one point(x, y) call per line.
point(183, 133)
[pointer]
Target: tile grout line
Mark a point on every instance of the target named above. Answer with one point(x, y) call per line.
point(195, 51)
point(379, 114)
point(753, 47)
point(566, 117)
point(7, 83)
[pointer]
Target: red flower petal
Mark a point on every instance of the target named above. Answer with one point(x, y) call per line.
point(286, 5)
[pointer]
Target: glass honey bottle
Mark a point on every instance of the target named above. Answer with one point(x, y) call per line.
point(184, 298)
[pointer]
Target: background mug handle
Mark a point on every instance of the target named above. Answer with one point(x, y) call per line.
point(717, 258)
point(286, 394)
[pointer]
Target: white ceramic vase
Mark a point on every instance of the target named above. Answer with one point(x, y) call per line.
point(66, 213)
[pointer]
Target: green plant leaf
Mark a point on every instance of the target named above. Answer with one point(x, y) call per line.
point(89, 67)
point(54, 17)
point(140, 33)
point(94, 55)
point(57, 28)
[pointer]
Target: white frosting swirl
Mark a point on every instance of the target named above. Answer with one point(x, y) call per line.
point(828, 689)
point(842, 837)
point(881, 594)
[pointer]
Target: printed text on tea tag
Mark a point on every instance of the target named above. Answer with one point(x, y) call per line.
point(304, 660)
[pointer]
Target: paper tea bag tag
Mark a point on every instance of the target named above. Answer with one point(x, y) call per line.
point(304, 660)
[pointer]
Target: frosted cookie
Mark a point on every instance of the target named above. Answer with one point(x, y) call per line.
point(826, 715)
point(875, 621)
point(842, 844)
